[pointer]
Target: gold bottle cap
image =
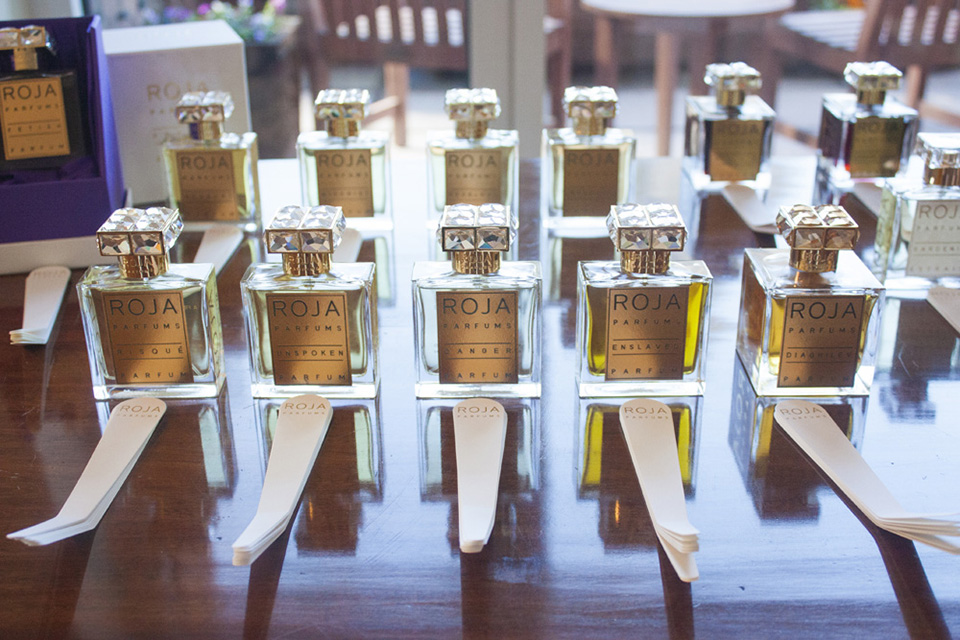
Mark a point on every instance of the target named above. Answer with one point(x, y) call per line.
point(816, 235)
point(205, 112)
point(872, 80)
point(941, 158)
point(476, 235)
point(141, 239)
point(471, 110)
point(306, 237)
point(590, 108)
point(732, 82)
point(342, 110)
point(645, 235)
point(24, 42)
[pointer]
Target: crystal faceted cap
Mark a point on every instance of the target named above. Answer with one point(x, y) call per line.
point(939, 150)
point(472, 104)
point(139, 232)
point(827, 227)
point(872, 76)
point(590, 102)
point(349, 104)
point(29, 37)
point(735, 76)
point(200, 106)
point(305, 230)
point(652, 227)
point(468, 227)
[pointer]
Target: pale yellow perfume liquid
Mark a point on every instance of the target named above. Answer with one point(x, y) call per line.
point(229, 200)
point(438, 168)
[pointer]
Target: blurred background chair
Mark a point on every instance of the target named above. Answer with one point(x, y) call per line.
point(916, 36)
point(405, 34)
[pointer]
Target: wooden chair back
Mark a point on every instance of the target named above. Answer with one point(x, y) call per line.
point(911, 32)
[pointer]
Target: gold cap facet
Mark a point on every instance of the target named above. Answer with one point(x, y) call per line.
point(732, 82)
point(645, 235)
point(24, 42)
point(342, 110)
point(872, 80)
point(139, 232)
point(472, 110)
point(941, 158)
point(476, 235)
point(816, 235)
point(590, 108)
point(306, 237)
point(199, 106)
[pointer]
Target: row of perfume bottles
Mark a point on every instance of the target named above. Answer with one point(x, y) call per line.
point(808, 324)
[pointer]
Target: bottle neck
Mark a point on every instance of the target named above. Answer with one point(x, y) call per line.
point(869, 97)
point(143, 267)
point(646, 262)
point(814, 260)
point(476, 262)
point(206, 130)
point(731, 98)
point(471, 129)
point(25, 59)
point(306, 264)
point(942, 176)
point(589, 126)
point(342, 127)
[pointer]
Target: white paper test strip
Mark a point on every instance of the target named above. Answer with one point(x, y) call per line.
point(754, 213)
point(480, 432)
point(648, 429)
point(869, 195)
point(349, 247)
point(130, 426)
point(810, 426)
point(42, 297)
point(947, 303)
point(217, 245)
point(302, 425)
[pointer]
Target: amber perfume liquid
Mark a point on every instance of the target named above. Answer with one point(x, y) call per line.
point(41, 120)
point(158, 336)
point(312, 334)
point(214, 181)
point(808, 334)
point(642, 334)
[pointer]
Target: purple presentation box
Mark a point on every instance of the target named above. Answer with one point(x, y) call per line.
point(73, 200)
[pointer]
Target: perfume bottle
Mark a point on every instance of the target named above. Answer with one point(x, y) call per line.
point(867, 135)
point(728, 134)
point(212, 175)
point(918, 231)
point(642, 321)
point(343, 166)
point(477, 323)
point(809, 315)
point(473, 164)
point(41, 115)
point(311, 324)
point(587, 168)
point(152, 328)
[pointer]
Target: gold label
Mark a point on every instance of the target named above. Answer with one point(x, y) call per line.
point(33, 119)
point(646, 333)
point(477, 337)
point(935, 240)
point(590, 181)
point(345, 179)
point(876, 146)
point(309, 338)
point(144, 334)
point(734, 149)
point(821, 341)
point(207, 185)
point(474, 176)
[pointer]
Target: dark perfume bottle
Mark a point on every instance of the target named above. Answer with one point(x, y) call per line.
point(41, 124)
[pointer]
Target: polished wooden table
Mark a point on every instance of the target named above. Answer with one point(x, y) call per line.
point(373, 552)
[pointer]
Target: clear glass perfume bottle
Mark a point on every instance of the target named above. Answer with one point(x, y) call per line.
point(587, 168)
point(211, 175)
point(866, 135)
point(727, 135)
point(41, 115)
point(918, 231)
point(311, 324)
point(472, 164)
point(809, 315)
point(477, 322)
point(642, 321)
point(343, 166)
point(152, 328)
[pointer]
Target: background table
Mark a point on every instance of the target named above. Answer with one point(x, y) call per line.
point(373, 548)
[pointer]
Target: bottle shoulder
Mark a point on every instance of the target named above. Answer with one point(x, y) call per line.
point(706, 108)
point(567, 137)
point(928, 193)
point(773, 271)
point(351, 275)
point(608, 273)
point(226, 141)
point(320, 140)
point(178, 276)
point(512, 274)
point(495, 138)
point(845, 107)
